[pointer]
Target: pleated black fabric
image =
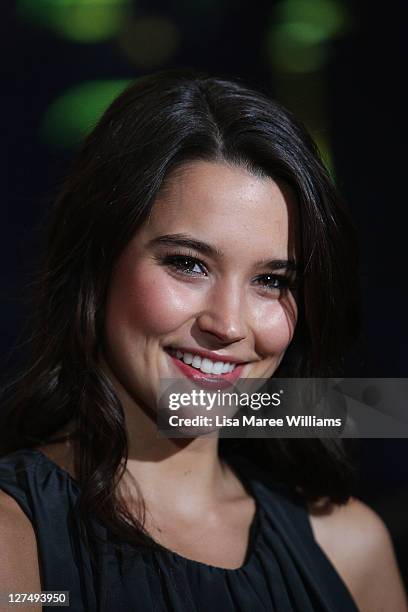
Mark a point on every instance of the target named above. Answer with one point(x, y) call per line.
point(285, 569)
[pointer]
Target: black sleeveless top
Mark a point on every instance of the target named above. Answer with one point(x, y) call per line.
point(285, 569)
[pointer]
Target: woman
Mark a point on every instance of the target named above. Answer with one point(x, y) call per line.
point(198, 227)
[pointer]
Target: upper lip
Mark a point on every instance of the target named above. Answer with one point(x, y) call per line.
point(207, 354)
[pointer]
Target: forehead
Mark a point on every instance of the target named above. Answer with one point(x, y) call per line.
point(226, 205)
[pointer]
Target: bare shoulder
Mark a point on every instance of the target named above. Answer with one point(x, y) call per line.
point(19, 567)
point(358, 544)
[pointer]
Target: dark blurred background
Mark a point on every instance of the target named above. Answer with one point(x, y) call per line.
point(339, 65)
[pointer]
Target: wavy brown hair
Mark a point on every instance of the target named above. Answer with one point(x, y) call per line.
point(156, 124)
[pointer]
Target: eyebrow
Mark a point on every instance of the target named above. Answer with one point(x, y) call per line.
point(183, 240)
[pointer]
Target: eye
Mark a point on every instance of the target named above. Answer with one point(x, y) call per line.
point(185, 264)
point(273, 283)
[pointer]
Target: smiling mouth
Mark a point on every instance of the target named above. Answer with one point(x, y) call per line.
point(205, 371)
point(203, 365)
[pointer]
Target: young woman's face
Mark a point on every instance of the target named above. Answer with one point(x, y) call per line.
point(205, 279)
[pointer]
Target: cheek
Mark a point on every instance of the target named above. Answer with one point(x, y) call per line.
point(276, 326)
point(149, 300)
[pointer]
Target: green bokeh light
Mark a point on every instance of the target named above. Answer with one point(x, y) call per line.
point(301, 32)
point(297, 42)
point(323, 18)
point(292, 56)
point(86, 21)
point(71, 116)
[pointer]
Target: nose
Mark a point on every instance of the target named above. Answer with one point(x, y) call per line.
point(224, 315)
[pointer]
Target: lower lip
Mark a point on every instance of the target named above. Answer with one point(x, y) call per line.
point(208, 380)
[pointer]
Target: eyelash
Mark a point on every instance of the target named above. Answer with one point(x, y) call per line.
point(178, 261)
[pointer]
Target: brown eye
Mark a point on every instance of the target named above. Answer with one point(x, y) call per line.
point(272, 282)
point(185, 264)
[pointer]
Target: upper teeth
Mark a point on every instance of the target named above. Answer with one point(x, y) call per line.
point(204, 364)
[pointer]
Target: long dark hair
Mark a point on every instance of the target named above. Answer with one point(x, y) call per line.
point(156, 124)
